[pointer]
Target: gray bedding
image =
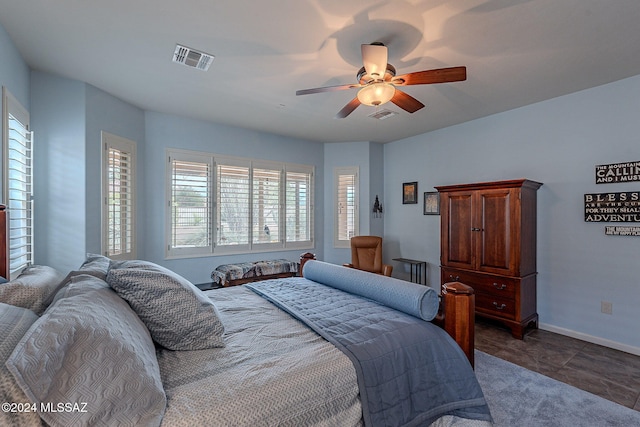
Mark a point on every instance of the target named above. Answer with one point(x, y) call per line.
point(410, 372)
point(272, 371)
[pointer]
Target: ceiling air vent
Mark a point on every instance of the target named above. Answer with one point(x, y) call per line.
point(382, 114)
point(192, 58)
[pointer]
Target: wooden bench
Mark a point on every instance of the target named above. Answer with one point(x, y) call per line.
point(246, 272)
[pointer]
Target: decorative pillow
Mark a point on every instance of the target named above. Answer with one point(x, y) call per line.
point(417, 300)
point(90, 349)
point(94, 265)
point(32, 288)
point(14, 323)
point(178, 315)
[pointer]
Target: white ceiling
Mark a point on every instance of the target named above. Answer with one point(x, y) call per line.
point(517, 52)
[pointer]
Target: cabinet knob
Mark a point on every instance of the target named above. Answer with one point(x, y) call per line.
point(500, 286)
point(499, 307)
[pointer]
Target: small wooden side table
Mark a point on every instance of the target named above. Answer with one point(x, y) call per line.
point(420, 268)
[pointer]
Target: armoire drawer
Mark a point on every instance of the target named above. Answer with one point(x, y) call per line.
point(503, 287)
point(496, 306)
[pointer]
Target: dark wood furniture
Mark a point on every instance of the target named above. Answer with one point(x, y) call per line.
point(456, 314)
point(488, 241)
point(419, 266)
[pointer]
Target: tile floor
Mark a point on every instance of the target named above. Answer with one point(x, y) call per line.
point(611, 374)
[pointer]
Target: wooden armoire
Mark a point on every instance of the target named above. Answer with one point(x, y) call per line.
point(488, 241)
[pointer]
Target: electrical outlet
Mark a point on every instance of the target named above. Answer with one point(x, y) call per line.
point(606, 307)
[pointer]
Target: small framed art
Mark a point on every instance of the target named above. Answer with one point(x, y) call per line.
point(432, 203)
point(409, 193)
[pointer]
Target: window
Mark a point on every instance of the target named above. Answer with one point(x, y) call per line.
point(232, 205)
point(17, 175)
point(244, 205)
point(346, 206)
point(299, 209)
point(190, 204)
point(118, 181)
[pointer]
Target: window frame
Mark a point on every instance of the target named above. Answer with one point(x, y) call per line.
point(353, 171)
point(12, 107)
point(196, 251)
point(128, 146)
point(277, 243)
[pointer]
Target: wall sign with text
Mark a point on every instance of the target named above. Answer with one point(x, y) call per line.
point(615, 230)
point(612, 207)
point(618, 172)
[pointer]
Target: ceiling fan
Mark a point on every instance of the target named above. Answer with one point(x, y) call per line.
point(378, 82)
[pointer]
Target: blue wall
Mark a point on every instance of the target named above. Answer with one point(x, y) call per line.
point(14, 76)
point(557, 142)
point(58, 122)
point(14, 72)
point(167, 131)
point(109, 114)
point(343, 155)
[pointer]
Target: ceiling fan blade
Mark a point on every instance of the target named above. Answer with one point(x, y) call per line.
point(374, 58)
point(326, 89)
point(406, 101)
point(441, 75)
point(348, 109)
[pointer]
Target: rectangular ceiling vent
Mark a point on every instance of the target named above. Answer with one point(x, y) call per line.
point(192, 58)
point(382, 114)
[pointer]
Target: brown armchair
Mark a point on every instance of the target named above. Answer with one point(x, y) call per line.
point(366, 254)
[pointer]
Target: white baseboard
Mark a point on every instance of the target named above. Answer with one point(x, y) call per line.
point(589, 338)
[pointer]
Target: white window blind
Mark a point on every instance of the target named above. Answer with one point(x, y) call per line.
point(20, 196)
point(299, 208)
point(233, 195)
point(346, 206)
point(266, 206)
point(190, 202)
point(119, 189)
point(254, 205)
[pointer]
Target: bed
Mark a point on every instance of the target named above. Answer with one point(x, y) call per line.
point(132, 343)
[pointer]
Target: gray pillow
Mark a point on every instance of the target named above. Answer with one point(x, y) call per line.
point(32, 288)
point(14, 323)
point(178, 315)
point(96, 265)
point(90, 347)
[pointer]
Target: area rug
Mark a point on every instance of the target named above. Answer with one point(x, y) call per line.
point(520, 397)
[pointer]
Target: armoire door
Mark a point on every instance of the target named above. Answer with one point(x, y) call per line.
point(495, 232)
point(456, 210)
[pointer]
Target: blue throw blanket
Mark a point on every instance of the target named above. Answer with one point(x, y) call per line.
point(410, 372)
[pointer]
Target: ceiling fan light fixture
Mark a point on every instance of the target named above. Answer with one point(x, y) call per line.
point(377, 93)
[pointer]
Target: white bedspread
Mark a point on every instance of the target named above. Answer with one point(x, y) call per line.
point(273, 371)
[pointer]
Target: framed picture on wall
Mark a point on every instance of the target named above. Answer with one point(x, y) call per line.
point(432, 203)
point(409, 193)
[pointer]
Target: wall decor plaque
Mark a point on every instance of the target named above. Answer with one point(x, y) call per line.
point(615, 230)
point(612, 207)
point(618, 172)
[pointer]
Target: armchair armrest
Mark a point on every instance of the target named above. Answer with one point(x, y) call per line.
point(387, 269)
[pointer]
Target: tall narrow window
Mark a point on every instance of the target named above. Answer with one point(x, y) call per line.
point(190, 203)
point(233, 195)
point(299, 207)
point(346, 206)
point(266, 206)
point(119, 192)
point(18, 179)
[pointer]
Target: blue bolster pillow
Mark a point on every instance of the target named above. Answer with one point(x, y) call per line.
point(417, 300)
